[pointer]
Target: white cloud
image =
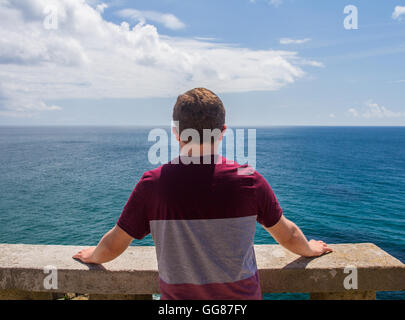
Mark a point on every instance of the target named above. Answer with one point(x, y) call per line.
point(167, 19)
point(353, 112)
point(294, 41)
point(374, 111)
point(398, 12)
point(101, 7)
point(276, 3)
point(332, 115)
point(22, 104)
point(89, 57)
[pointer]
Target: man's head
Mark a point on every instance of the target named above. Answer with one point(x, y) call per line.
point(199, 109)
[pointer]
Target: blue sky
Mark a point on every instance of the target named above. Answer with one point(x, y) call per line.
point(287, 62)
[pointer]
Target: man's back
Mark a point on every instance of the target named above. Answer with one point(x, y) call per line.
point(202, 214)
point(203, 219)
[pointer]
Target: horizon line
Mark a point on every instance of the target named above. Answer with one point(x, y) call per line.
point(166, 125)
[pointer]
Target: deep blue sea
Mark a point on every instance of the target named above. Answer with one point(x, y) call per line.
point(68, 185)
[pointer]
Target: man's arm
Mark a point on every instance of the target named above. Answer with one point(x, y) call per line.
point(287, 234)
point(113, 243)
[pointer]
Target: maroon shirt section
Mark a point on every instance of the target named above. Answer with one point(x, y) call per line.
point(246, 289)
point(198, 191)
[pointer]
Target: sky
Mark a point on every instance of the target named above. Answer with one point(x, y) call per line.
point(272, 62)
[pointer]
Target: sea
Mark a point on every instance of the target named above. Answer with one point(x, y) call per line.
point(68, 185)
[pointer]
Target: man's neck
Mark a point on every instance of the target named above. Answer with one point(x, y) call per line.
point(199, 150)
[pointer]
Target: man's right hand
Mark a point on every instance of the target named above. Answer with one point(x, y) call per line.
point(318, 248)
point(287, 233)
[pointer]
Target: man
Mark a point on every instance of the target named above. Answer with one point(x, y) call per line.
point(202, 210)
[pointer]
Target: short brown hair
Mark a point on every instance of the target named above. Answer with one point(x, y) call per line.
point(199, 109)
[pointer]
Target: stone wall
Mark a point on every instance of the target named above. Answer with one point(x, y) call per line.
point(352, 271)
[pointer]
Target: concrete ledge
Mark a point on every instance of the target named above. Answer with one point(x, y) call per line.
point(12, 294)
point(282, 271)
point(356, 295)
point(135, 272)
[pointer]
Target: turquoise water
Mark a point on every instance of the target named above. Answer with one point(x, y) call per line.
point(68, 185)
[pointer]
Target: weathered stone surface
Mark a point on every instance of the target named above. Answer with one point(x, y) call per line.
point(349, 295)
point(135, 272)
point(12, 294)
point(120, 297)
point(22, 267)
point(283, 271)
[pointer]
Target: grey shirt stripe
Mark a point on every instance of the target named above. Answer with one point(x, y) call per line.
point(205, 251)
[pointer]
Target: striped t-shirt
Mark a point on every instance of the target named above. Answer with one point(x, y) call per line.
point(203, 219)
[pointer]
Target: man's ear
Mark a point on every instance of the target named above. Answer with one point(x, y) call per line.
point(174, 130)
point(221, 137)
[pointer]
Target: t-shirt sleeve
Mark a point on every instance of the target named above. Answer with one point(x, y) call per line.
point(269, 210)
point(134, 217)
